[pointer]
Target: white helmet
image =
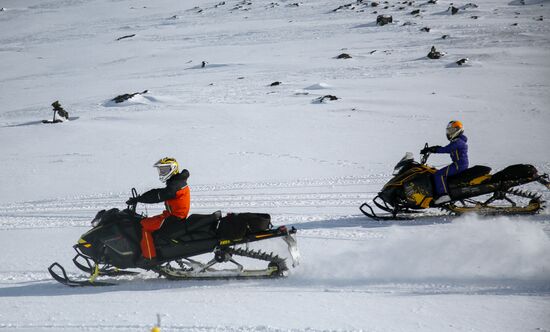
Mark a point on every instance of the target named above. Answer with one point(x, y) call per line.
point(167, 167)
point(454, 129)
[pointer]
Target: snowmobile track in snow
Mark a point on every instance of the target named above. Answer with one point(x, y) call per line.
point(285, 200)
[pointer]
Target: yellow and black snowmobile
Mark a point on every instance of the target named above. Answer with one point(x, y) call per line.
point(412, 190)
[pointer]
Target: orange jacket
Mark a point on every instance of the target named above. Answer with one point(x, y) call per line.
point(176, 196)
point(180, 205)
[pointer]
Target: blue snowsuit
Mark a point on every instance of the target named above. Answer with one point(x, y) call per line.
point(458, 149)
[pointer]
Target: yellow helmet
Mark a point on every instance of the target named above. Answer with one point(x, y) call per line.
point(454, 129)
point(167, 167)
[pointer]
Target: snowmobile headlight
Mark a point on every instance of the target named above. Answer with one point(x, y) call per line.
point(96, 221)
point(84, 243)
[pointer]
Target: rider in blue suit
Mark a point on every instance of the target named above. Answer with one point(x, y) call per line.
point(458, 149)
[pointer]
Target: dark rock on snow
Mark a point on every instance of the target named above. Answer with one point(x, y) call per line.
point(347, 6)
point(384, 19)
point(462, 61)
point(126, 96)
point(275, 83)
point(344, 56)
point(326, 97)
point(425, 29)
point(470, 5)
point(127, 36)
point(434, 54)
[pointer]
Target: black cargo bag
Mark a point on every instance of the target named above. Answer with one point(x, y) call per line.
point(237, 225)
point(515, 172)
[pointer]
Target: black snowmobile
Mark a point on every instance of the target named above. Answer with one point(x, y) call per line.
point(112, 246)
point(412, 190)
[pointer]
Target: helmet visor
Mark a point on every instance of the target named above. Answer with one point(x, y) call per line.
point(164, 170)
point(453, 132)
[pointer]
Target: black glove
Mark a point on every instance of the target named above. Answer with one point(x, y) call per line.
point(431, 149)
point(132, 201)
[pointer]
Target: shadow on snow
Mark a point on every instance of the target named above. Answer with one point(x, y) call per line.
point(362, 221)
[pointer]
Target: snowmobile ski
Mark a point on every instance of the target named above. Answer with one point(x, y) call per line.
point(371, 214)
point(105, 270)
point(65, 280)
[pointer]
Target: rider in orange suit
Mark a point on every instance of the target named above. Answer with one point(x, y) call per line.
point(176, 197)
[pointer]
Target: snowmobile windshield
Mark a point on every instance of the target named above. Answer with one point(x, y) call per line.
point(406, 160)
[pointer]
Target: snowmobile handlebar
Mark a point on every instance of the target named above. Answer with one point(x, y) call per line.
point(425, 155)
point(134, 195)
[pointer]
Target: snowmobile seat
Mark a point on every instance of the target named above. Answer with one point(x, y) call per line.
point(196, 226)
point(468, 175)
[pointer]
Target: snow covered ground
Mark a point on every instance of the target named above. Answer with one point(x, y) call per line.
point(254, 147)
